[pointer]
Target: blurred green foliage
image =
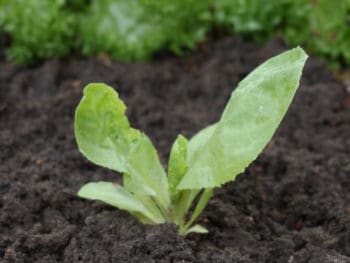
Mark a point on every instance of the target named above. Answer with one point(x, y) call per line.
point(327, 33)
point(135, 29)
point(321, 26)
point(38, 29)
point(260, 19)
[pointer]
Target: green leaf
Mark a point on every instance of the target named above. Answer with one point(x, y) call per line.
point(104, 136)
point(117, 196)
point(197, 229)
point(177, 165)
point(200, 139)
point(248, 122)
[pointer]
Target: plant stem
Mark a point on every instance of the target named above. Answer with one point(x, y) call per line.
point(206, 195)
point(163, 211)
point(183, 204)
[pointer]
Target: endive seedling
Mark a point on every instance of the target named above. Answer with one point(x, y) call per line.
point(213, 157)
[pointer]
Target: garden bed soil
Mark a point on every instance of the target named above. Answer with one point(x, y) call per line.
point(291, 205)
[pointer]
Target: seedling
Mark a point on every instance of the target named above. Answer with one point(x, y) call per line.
point(214, 156)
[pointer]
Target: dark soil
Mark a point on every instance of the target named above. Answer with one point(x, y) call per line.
point(292, 205)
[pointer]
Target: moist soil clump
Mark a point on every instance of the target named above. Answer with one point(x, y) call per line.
point(291, 205)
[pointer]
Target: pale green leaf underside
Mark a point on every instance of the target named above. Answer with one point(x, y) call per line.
point(105, 137)
point(197, 229)
point(116, 196)
point(250, 118)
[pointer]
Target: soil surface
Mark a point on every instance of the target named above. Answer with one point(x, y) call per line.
point(291, 205)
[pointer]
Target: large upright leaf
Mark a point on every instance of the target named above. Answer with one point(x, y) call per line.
point(199, 140)
point(104, 136)
point(250, 118)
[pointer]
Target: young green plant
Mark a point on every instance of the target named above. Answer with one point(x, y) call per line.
point(214, 156)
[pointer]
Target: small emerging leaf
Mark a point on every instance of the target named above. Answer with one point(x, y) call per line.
point(197, 229)
point(177, 165)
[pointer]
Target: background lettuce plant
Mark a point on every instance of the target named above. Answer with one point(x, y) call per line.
point(261, 19)
point(135, 30)
point(320, 26)
point(38, 29)
point(214, 156)
point(327, 31)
